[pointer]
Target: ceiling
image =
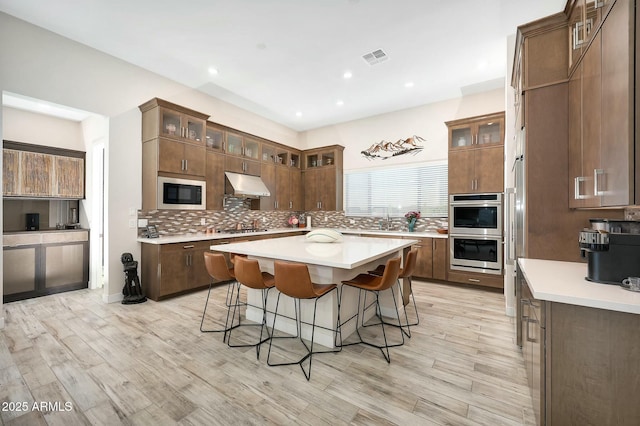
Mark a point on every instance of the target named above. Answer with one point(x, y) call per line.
point(285, 59)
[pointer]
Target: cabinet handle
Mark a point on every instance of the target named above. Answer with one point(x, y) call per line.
point(474, 280)
point(577, 41)
point(524, 302)
point(290, 204)
point(275, 204)
point(576, 188)
point(597, 173)
point(531, 321)
point(186, 165)
point(188, 247)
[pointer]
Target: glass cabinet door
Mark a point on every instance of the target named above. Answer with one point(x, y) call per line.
point(294, 161)
point(461, 137)
point(234, 144)
point(268, 153)
point(489, 133)
point(214, 138)
point(251, 148)
point(282, 157)
point(194, 129)
point(170, 124)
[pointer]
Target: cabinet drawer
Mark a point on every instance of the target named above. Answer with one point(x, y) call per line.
point(486, 280)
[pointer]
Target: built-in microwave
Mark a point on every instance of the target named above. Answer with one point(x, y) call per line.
point(181, 194)
point(475, 214)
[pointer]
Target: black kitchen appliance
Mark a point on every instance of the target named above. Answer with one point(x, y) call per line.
point(611, 256)
point(33, 222)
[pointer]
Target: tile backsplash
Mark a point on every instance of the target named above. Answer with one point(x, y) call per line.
point(237, 211)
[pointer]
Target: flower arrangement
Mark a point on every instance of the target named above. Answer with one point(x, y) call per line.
point(293, 220)
point(412, 216)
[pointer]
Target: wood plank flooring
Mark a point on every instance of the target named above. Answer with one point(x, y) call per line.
point(149, 364)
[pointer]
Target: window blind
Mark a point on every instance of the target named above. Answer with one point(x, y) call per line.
point(395, 191)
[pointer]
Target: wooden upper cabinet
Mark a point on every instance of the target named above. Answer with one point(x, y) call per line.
point(214, 139)
point(10, 172)
point(240, 145)
point(181, 158)
point(476, 131)
point(165, 119)
point(215, 180)
point(268, 176)
point(476, 151)
point(70, 175)
point(323, 178)
point(36, 174)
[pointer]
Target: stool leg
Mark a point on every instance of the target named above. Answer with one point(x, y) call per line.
point(206, 304)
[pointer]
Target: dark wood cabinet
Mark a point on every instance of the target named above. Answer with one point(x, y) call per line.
point(532, 323)
point(181, 158)
point(476, 154)
point(601, 139)
point(431, 261)
point(165, 119)
point(268, 176)
point(215, 180)
point(322, 178)
point(170, 269)
point(241, 165)
point(283, 189)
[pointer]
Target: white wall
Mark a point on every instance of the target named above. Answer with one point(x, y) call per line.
point(426, 121)
point(39, 129)
point(43, 65)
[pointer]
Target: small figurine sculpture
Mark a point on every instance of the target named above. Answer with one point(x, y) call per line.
point(132, 290)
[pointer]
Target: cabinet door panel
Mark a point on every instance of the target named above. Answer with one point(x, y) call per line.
point(170, 156)
point(21, 275)
point(10, 172)
point(64, 265)
point(215, 181)
point(617, 147)
point(174, 270)
point(36, 171)
point(327, 189)
point(252, 168)
point(297, 190)
point(199, 276)
point(461, 173)
point(591, 110)
point(488, 169)
point(576, 187)
point(310, 190)
point(195, 160)
point(424, 260)
point(283, 189)
point(69, 177)
point(440, 265)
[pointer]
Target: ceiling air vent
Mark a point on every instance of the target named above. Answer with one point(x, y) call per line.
point(375, 57)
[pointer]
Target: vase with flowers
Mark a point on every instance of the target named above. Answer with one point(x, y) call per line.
point(293, 221)
point(412, 217)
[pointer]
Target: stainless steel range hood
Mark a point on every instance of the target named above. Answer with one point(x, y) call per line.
point(245, 186)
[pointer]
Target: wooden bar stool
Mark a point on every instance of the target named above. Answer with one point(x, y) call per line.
point(247, 272)
point(218, 270)
point(376, 284)
point(405, 272)
point(293, 280)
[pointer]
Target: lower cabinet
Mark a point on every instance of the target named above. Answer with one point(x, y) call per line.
point(581, 363)
point(432, 258)
point(475, 278)
point(170, 269)
point(60, 262)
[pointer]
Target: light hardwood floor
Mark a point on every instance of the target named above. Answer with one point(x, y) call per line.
point(149, 364)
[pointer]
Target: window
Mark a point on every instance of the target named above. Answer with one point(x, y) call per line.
point(395, 191)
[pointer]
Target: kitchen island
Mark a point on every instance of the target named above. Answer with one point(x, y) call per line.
point(328, 263)
point(581, 344)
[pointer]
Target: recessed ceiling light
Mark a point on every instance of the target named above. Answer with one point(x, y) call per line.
point(347, 74)
point(298, 114)
point(408, 84)
point(213, 71)
point(339, 102)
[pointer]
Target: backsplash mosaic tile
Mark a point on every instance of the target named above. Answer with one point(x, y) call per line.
point(237, 211)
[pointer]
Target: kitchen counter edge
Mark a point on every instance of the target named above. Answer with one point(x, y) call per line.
point(223, 236)
point(564, 282)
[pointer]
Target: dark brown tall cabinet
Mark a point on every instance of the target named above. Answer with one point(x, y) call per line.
point(323, 178)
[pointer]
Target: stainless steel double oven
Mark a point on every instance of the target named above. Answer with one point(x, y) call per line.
point(475, 232)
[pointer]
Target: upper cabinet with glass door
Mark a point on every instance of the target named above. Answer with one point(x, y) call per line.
point(214, 138)
point(476, 131)
point(167, 120)
point(239, 145)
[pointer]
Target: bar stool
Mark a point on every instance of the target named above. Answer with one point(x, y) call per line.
point(406, 272)
point(247, 272)
point(293, 280)
point(376, 284)
point(218, 270)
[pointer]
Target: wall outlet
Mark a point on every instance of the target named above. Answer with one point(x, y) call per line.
point(203, 221)
point(132, 211)
point(325, 217)
point(142, 223)
point(132, 223)
point(352, 221)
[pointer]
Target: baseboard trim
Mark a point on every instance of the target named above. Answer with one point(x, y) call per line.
point(112, 298)
point(511, 311)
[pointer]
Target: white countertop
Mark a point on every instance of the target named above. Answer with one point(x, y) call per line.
point(217, 236)
point(223, 236)
point(350, 253)
point(565, 282)
point(393, 233)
